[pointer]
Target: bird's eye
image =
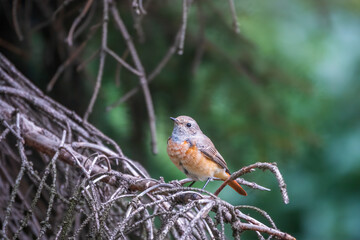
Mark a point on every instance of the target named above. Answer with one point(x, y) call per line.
point(188, 125)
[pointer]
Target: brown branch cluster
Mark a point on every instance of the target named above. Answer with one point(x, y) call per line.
point(62, 178)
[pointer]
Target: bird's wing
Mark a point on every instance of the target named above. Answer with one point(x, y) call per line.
point(206, 146)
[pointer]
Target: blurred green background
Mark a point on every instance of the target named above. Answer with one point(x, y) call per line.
point(286, 90)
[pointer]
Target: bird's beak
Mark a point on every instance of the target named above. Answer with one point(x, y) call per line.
point(175, 120)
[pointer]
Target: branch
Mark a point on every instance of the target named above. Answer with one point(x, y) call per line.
point(234, 16)
point(15, 20)
point(183, 27)
point(171, 51)
point(87, 6)
point(102, 58)
point(143, 81)
point(264, 166)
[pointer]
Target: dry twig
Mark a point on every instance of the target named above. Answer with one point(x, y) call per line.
point(143, 81)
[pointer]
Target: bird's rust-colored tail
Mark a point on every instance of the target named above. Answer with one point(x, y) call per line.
point(236, 186)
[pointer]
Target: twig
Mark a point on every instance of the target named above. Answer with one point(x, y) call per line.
point(269, 166)
point(4, 133)
point(87, 6)
point(135, 170)
point(246, 226)
point(87, 21)
point(220, 218)
point(234, 16)
point(44, 106)
point(252, 184)
point(53, 16)
point(183, 27)
point(15, 20)
point(122, 62)
point(12, 130)
point(144, 85)
point(86, 61)
point(152, 75)
point(138, 7)
point(262, 212)
point(63, 66)
point(102, 59)
point(201, 214)
point(18, 178)
point(13, 48)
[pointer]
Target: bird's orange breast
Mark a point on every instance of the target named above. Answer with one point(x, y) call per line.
point(192, 162)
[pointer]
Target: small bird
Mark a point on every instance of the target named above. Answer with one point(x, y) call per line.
point(193, 153)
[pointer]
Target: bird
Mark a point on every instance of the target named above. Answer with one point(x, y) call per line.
point(194, 154)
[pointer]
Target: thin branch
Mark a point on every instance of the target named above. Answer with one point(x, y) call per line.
point(242, 181)
point(15, 20)
point(171, 51)
point(63, 66)
point(234, 16)
point(246, 226)
point(102, 59)
point(143, 81)
point(12, 130)
point(183, 27)
point(265, 166)
point(262, 212)
point(53, 16)
point(90, 16)
point(13, 48)
point(86, 61)
point(138, 7)
point(123, 62)
point(18, 178)
point(87, 6)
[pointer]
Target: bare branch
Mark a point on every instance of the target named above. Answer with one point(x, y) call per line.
point(87, 6)
point(265, 166)
point(246, 226)
point(15, 20)
point(143, 81)
point(138, 7)
point(102, 59)
point(183, 27)
point(152, 75)
point(122, 62)
point(53, 16)
point(234, 16)
point(63, 66)
point(83, 64)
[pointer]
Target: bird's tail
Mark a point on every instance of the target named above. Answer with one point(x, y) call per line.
point(236, 186)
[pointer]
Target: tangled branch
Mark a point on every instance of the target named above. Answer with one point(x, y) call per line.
point(72, 184)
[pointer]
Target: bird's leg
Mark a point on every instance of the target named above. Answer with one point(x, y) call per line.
point(192, 183)
point(207, 181)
